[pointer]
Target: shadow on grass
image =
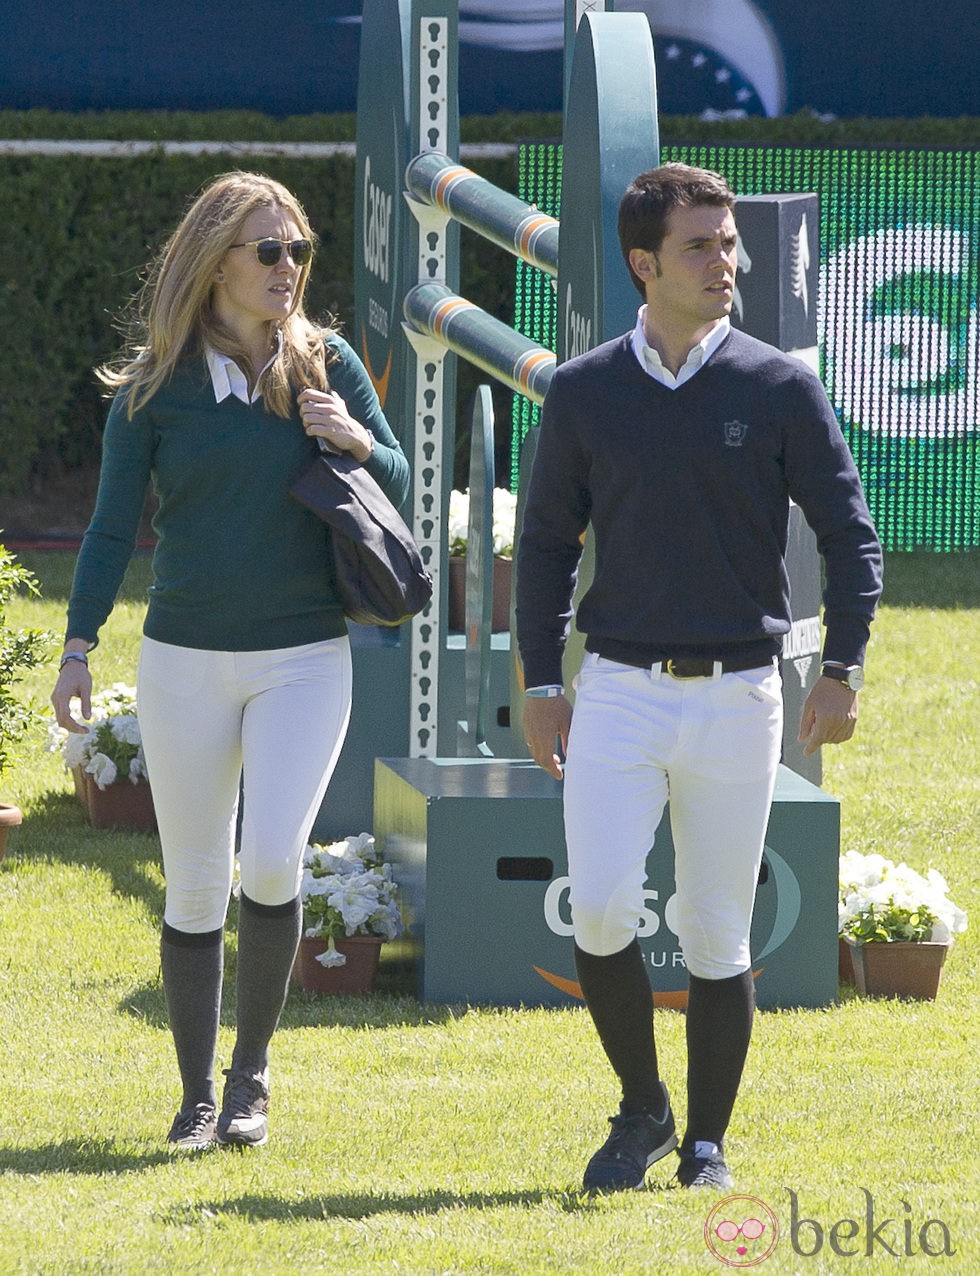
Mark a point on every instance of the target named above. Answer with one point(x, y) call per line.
point(78, 1156)
point(59, 832)
point(361, 1206)
point(302, 1010)
point(923, 578)
point(386, 1007)
point(149, 1005)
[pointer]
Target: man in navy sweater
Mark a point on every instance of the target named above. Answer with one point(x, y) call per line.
point(682, 444)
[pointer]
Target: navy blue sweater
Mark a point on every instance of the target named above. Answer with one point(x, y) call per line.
point(688, 495)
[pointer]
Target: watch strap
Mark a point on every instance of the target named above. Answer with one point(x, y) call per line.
point(840, 672)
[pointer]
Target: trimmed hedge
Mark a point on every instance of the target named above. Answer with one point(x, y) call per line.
point(78, 233)
point(79, 230)
point(803, 128)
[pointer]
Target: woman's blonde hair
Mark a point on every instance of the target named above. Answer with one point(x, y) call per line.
point(173, 311)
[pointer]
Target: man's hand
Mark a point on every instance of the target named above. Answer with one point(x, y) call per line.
point(829, 715)
point(545, 721)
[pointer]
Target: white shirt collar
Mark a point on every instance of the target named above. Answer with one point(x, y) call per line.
point(228, 378)
point(651, 363)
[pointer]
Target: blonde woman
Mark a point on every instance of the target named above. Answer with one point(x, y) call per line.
point(245, 667)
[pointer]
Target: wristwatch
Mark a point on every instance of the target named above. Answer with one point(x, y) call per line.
point(852, 676)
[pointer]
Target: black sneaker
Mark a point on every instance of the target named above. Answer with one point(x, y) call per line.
point(244, 1116)
point(632, 1147)
point(704, 1166)
point(194, 1128)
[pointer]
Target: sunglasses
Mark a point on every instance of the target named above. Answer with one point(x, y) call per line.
point(269, 251)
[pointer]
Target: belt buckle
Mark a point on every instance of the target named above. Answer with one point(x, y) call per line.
point(674, 668)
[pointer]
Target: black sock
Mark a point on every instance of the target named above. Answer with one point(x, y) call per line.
point(192, 969)
point(268, 937)
point(617, 992)
point(719, 1025)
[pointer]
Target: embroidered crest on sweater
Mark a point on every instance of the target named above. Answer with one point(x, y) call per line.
point(735, 432)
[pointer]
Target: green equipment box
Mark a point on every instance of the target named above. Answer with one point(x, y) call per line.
point(478, 850)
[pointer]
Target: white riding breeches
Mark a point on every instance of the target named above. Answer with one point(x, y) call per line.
point(206, 719)
point(710, 745)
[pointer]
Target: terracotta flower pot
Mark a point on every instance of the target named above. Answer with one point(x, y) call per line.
point(81, 789)
point(503, 569)
point(10, 817)
point(898, 969)
point(845, 966)
point(357, 975)
point(122, 805)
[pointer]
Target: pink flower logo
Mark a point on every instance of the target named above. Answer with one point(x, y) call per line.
point(741, 1231)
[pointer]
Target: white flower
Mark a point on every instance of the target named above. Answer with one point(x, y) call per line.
point(347, 891)
point(862, 870)
point(459, 513)
point(312, 886)
point(119, 698)
point(76, 747)
point(504, 518)
point(102, 769)
point(504, 521)
point(359, 847)
point(330, 957)
point(113, 736)
point(125, 728)
point(880, 901)
point(387, 921)
point(137, 767)
point(355, 898)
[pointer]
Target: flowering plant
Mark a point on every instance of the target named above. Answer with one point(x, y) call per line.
point(347, 890)
point(504, 520)
point(882, 902)
point(111, 750)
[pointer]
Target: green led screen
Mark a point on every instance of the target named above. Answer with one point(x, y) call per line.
point(898, 315)
point(535, 312)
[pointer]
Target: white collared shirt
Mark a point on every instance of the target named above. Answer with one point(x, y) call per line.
point(228, 378)
point(653, 365)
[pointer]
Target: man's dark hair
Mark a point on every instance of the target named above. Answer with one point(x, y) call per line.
point(653, 196)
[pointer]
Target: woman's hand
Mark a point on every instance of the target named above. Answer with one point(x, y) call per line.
point(324, 415)
point(74, 680)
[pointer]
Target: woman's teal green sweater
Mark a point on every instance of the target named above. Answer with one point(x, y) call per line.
point(238, 565)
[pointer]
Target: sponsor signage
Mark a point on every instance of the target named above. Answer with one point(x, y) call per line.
point(390, 132)
point(491, 831)
point(613, 97)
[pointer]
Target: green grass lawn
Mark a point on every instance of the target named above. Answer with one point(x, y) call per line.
point(428, 1139)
